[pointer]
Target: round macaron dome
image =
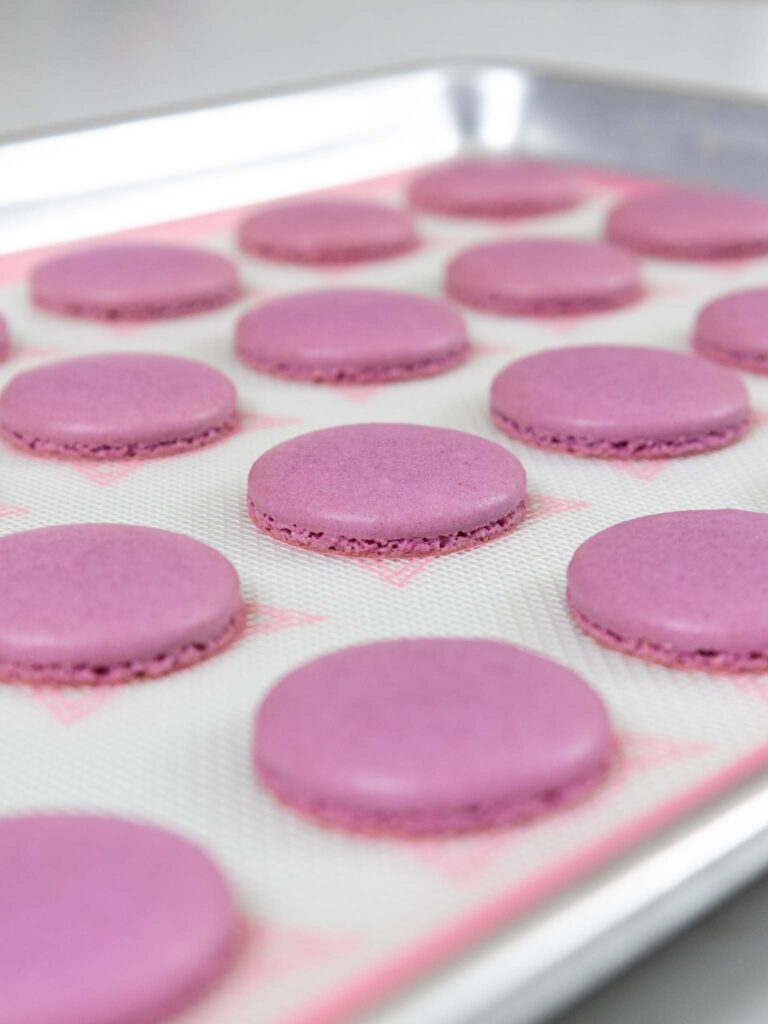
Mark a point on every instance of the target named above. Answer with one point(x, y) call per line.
point(691, 224)
point(107, 921)
point(685, 589)
point(430, 736)
point(318, 231)
point(620, 402)
point(354, 336)
point(134, 282)
point(543, 277)
point(734, 330)
point(118, 405)
point(485, 186)
point(386, 489)
point(104, 603)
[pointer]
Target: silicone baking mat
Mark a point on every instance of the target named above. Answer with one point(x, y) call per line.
point(334, 921)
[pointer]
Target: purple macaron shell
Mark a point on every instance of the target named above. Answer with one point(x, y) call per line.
point(352, 336)
point(5, 340)
point(427, 736)
point(118, 405)
point(103, 603)
point(105, 921)
point(686, 589)
point(691, 223)
point(386, 489)
point(543, 277)
point(134, 281)
point(734, 330)
point(619, 402)
point(327, 231)
point(495, 187)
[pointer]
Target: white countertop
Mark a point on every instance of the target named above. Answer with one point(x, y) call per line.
point(66, 61)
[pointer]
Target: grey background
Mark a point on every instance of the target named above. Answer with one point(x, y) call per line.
point(66, 61)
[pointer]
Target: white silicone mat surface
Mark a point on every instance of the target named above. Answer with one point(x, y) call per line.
point(335, 921)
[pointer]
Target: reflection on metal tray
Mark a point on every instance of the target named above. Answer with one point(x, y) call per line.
point(106, 178)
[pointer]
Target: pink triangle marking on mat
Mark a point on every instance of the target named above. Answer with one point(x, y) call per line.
point(125, 327)
point(270, 955)
point(490, 348)
point(397, 572)
point(357, 392)
point(565, 324)
point(12, 510)
point(35, 352)
point(104, 474)
point(669, 290)
point(639, 470)
point(463, 860)
point(263, 421)
point(70, 705)
point(754, 685)
point(541, 505)
point(266, 618)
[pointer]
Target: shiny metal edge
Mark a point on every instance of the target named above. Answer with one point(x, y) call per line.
point(93, 180)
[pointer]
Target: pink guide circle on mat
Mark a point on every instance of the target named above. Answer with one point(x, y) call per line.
point(106, 921)
point(386, 489)
point(495, 187)
point(543, 277)
point(119, 405)
point(691, 223)
point(734, 330)
point(687, 589)
point(352, 336)
point(620, 402)
point(428, 736)
point(104, 603)
point(327, 231)
point(134, 281)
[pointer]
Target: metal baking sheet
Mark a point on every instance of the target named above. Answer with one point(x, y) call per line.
point(503, 927)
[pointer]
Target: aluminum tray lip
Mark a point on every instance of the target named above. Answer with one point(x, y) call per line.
point(728, 832)
point(450, 66)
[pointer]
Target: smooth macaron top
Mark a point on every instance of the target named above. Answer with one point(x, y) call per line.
point(430, 734)
point(386, 481)
point(539, 274)
point(349, 330)
point(691, 223)
point(118, 399)
point(736, 324)
point(327, 231)
point(105, 594)
point(106, 921)
point(695, 580)
point(495, 187)
point(618, 393)
point(134, 281)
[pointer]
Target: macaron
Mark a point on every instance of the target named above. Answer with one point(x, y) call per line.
point(386, 489)
point(134, 282)
point(429, 736)
point(685, 589)
point(691, 224)
point(119, 405)
point(495, 187)
point(543, 277)
point(105, 603)
point(734, 330)
point(107, 921)
point(620, 402)
point(352, 336)
point(322, 231)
